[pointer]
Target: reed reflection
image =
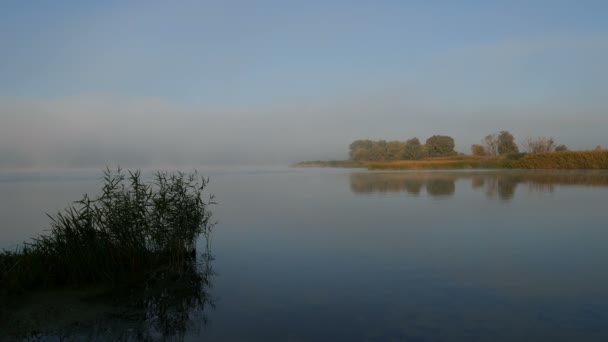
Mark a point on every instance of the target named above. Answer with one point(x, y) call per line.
point(500, 184)
point(169, 305)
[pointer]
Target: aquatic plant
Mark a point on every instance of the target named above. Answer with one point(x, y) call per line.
point(131, 229)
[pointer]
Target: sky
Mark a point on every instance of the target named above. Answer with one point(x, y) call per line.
point(141, 83)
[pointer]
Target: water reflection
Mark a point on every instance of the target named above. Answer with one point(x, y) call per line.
point(500, 184)
point(167, 307)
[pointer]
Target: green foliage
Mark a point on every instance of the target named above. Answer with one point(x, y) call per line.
point(381, 150)
point(413, 150)
point(561, 148)
point(506, 143)
point(359, 148)
point(440, 146)
point(395, 150)
point(502, 143)
point(131, 228)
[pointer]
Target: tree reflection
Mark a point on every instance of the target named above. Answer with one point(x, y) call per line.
point(477, 182)
point(440, 187)
point(501, 186)
point(413, 187)
point(412, 183)
point(495, 184)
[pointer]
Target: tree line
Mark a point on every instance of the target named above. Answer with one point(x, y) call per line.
point(412, 149)
point(495, 144)
point(503, 143)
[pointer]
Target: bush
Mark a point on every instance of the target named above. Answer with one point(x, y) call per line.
point(478, 150)
point(131, 229)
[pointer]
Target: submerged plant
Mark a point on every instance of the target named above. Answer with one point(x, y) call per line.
point(131, 229)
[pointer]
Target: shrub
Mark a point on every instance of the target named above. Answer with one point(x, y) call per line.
point(478, 150)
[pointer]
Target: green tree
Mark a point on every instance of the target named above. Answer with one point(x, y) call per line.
point(360, 154)
point(506, 143)
point(413, 149)
point(561, 148)
point(440, 146)
point(357, 147)
point(379, 150)
point(395, 150)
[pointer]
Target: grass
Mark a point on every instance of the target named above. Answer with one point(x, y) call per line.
point(595, 159)
point(130, 230)
point(330, 163)
point(445, 163)
point(448, 163)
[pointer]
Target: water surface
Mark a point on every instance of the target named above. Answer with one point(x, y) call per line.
point(349, 255)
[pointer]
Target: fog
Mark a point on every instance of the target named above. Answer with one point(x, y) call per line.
point(93, 132)
point(274, 83)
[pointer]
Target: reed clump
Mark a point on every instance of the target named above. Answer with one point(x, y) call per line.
point(594, 159)
point(132, 229)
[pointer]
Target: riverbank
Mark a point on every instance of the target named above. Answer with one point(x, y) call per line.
point(595, 159)
point(349, 164)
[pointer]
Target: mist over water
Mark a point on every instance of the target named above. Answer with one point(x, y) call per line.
point(92, 132)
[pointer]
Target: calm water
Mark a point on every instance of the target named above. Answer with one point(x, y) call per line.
point(348, 255)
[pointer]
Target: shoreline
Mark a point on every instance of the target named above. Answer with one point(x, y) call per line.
point(568, 160)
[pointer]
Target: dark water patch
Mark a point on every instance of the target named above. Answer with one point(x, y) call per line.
point(163, 307)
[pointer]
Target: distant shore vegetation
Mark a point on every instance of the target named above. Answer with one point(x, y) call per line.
point(495, 151)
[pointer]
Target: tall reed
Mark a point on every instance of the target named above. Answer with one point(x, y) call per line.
point(594, 159)
point(131, 229)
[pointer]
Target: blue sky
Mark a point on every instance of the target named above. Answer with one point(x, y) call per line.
point(329, 70)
